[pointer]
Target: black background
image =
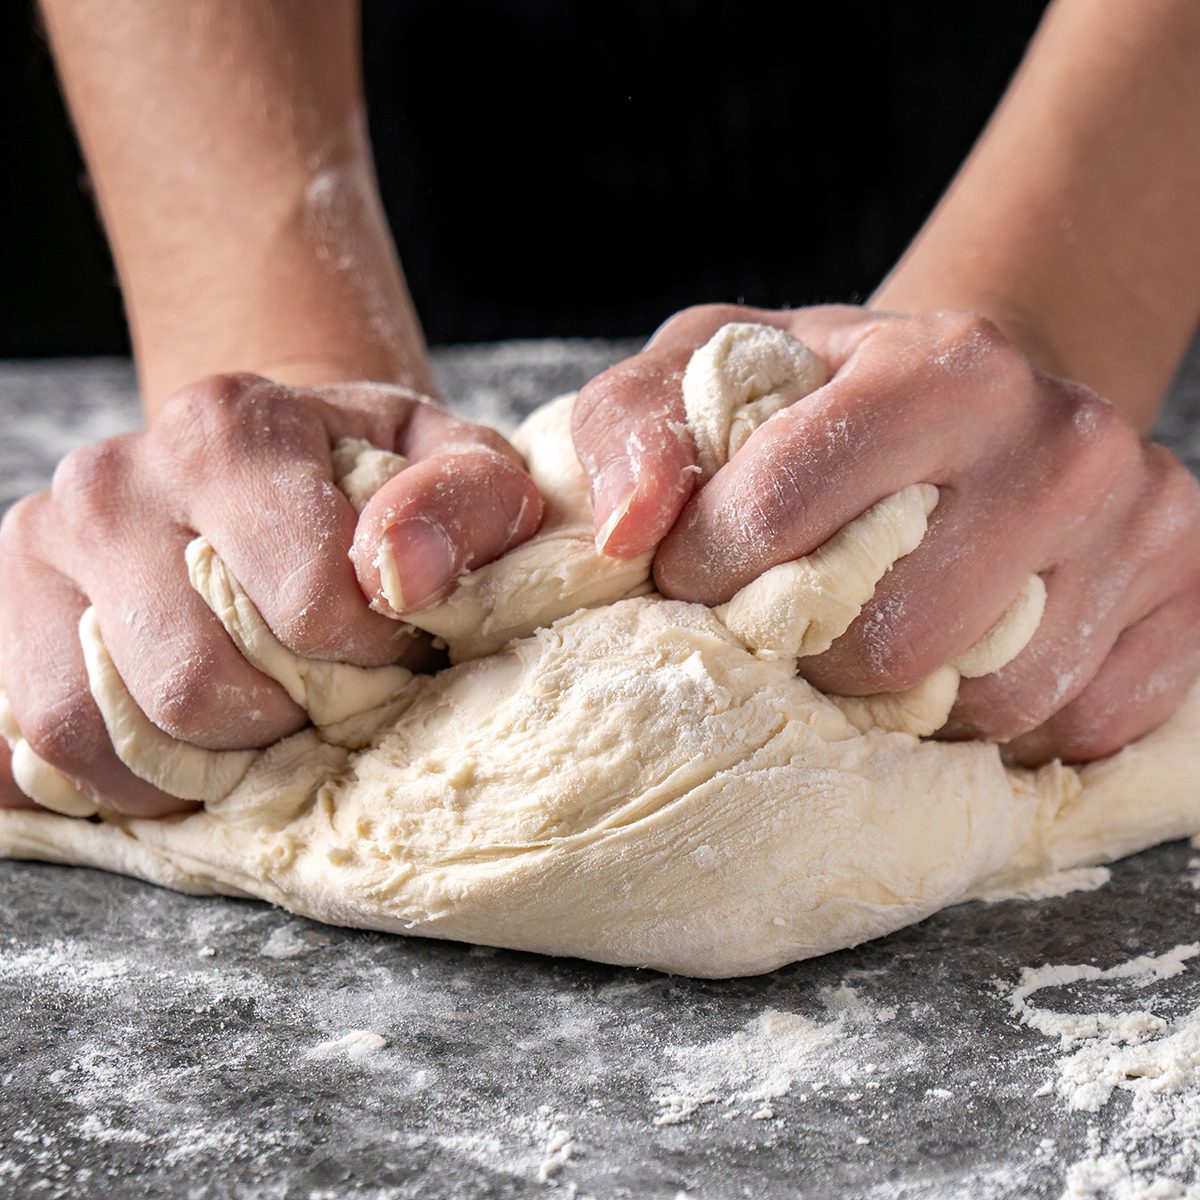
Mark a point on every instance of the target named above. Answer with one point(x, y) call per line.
point(582, 168)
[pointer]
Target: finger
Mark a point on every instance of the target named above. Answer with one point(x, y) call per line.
point(180, 665)
point(285, 531)
point(1141, 682)
point(1138, 547)
point(248, 464)
point(799, 478)
point(437, 520)
point(630, 428)
point(44, 675)
point(286, 536)
point(631, 437)
point(893, 415)
point(933, 605)
point(405, 422)
point(835, 332)
point(172, 653)
point(11, 796)
point(465, 500)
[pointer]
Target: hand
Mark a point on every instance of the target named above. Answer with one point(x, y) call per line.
point(246, 463)
point(1036, 475)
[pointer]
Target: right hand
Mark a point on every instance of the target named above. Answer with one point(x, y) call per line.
point(245, 462)
point(1037, 475)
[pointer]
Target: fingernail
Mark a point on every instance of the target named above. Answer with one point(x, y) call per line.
point(615, 491)
point(415, 563)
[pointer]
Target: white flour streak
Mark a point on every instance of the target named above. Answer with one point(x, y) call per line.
point(761, 1062)
point(1151, 1151)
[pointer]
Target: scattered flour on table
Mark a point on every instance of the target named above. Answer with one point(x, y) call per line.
point(1051, 886)
point(537, 1146)
point(1152, 1151)
point(560, 1145)
point(358, 1043)
point(123, 1092)
point(289, 941)
point(762, 1062)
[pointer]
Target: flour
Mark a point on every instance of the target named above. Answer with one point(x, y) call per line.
point(1115, 1027)
point(534, 1146)
point(762, 1062)
point(358, 1043)
point(559, 1148)
point(124, 1096)
point(1152, 1150)
point(290, 941)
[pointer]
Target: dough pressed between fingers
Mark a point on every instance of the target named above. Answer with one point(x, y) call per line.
point(634, 781)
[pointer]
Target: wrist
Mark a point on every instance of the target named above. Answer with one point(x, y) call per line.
point(301, 282)
point(912, 288)
point(294, 353)
point(1068, 338)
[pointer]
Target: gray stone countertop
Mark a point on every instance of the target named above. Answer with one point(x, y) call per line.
point(153, 1044)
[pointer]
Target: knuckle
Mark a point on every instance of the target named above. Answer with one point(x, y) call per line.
point(1030, 694)
point(1092, 730)
point(960, 327)
point(194, 707)
point(1006, 719)
point(22, 523)
point(968, 344)
point(224, 417)
point(995, 709)
point(896, 652)
point(466, 437)
point(1099, 425)
point(1091, 454)
point(205, 400)
point(70, 735)
point(89, 483)
point(696, 324)
point(315, 607)
point(217, 393)
point(897, 665)
point(187, 712)
point(201, 693)
point(315, 622)
point(711, 316)
point(1168, 518)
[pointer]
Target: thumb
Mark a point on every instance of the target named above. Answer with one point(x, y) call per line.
point(630, 428)
point(437, 520)
point(631, 438)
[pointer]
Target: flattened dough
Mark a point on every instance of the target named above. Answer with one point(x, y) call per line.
point(644, 781)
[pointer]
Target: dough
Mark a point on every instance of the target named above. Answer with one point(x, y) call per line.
point(336, 696)
point(553, 574)
point(740, 377)
point(639, 781)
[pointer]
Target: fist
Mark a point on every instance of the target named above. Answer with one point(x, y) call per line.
point(247, 464)
point(1036, 475)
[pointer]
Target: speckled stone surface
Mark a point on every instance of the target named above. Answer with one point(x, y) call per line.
point(153, 1044)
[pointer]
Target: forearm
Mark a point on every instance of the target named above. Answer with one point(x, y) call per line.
point(1075, 222)
point(227, 146)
